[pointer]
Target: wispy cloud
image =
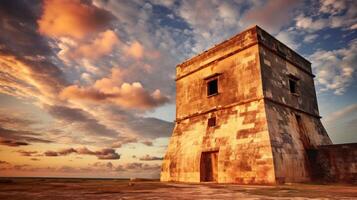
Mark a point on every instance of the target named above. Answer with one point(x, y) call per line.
point(341, 113)
point(103, 154)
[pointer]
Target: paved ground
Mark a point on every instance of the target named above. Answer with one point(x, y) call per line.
point(88, 189)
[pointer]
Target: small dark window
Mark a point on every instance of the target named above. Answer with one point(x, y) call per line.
point(212, 87)
point(212, 122)
point(293, 86)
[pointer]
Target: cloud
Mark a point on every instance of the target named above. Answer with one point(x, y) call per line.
point(103, 154)
point(287, 37)
point(72, 18)
point(303, 22)
point(332, 6)
point(26, 153)
point(18, 29)
point(310, 38)
point(16, 138)
point(147, 143)
point(104, 168)
point(12, 143)
point(209, 22)
point(25, 78)
point(3, 162)
point(135, 50)
point(341, 113)
point(150, 158)
point(272, 15)
point(17, 130)
point(120, 143)
point(331, 14)
point(154, 128)
point(26, 58)
point(93, 49)
point(12, 121)
point(335, 68)
point(125, 95)
point(107, 165)
point(135, 166)
point(82, 119)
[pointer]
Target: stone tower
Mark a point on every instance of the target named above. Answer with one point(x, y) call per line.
point(246, 112)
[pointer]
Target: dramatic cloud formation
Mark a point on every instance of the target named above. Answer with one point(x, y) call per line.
point(26, 78)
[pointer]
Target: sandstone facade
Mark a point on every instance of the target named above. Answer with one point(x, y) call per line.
point(246, 112)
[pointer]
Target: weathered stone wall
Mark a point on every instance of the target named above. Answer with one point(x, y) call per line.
point(268, 41)
point(289, 139)
point(276, 72)
point(289, 145)
point(239, 81)
point(335, 163)
point(235, 44)
point(241, 134)
point(241, 138)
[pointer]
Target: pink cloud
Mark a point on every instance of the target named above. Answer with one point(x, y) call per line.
point(271, 15)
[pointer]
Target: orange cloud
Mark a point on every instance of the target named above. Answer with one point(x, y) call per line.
point(113, 90)
point(23, 78)
point(107, 83)
point(71, 18)
point(76, 92)
point(132, 96)
point(135, 50)
point(101, 46)
point(88, 50)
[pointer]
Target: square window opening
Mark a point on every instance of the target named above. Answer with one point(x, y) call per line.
point(212, 87)
point(212, 122)
point(293, 86)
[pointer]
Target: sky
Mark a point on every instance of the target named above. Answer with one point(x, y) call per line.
point(87, 88)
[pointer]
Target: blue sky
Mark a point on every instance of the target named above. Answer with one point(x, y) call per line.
point(87, 87)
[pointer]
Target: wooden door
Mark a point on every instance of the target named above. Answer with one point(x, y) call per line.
point(209, 166)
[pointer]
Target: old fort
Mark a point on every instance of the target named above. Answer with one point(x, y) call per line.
point(246, 112)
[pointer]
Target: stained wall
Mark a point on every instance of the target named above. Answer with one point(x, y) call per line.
point(335, 163)
point(290, 139)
